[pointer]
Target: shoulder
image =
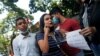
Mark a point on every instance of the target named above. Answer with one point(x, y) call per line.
point(75, 24)
point(16, 39)
point(39, 36)
point(32, 34)
point(73, 21)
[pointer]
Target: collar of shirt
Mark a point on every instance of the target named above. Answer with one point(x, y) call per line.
point(25, 35)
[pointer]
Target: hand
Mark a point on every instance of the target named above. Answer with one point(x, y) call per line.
point(88, 31)
point(46, 30)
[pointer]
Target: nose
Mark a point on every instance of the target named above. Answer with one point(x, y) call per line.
point(23, 24)
point(50, 20)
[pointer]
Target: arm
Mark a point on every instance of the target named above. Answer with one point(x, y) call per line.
point(16, 48)
point(94, 22)
point(43, 43)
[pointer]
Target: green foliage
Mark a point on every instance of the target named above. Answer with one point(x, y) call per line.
point(9, 6)
point(12, 1)
point(34, 28)
point(69, 7)
point(8, 23)
point(4, 43)
point(41, 5)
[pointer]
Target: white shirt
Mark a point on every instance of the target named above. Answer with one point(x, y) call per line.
point(25, 46)
point(85, 19)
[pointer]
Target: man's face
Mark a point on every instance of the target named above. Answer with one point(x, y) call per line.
point(56, 19)
point(22, 25)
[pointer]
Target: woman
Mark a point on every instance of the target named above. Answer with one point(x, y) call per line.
point(46, 38)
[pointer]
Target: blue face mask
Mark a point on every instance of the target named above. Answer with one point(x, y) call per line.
point(55, 20)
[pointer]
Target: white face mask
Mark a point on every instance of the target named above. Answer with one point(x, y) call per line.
point(23, 31)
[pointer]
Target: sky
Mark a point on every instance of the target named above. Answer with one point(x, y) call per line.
point(24, 4)
point(3, 15)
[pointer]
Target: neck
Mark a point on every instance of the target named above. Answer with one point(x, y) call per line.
point(23, 31)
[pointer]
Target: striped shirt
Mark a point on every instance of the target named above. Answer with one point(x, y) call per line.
point(54, 50)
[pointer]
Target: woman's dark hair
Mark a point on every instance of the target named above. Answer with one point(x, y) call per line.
point(42, 24)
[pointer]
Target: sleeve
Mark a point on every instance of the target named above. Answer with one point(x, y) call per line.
point(75, 24)
point(39, 36)
point(16, 48)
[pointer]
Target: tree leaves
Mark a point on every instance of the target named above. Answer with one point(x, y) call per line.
point(69, 7)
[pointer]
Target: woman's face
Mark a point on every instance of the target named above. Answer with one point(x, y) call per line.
point(48, 21)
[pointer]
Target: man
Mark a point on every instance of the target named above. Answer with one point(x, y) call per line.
point(65, 25)
point(89, 19)
point(24, 44)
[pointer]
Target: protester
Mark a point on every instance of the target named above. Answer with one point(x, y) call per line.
point(66, 25)
point(89, 19)
point(46, 37)
point(25, 43)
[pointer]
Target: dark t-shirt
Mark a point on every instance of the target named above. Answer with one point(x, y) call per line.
point(54, 49)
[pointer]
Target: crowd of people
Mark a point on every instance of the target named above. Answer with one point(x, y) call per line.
point(50, 40)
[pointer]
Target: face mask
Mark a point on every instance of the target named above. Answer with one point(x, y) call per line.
point(23, 31)
point(55, 20)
